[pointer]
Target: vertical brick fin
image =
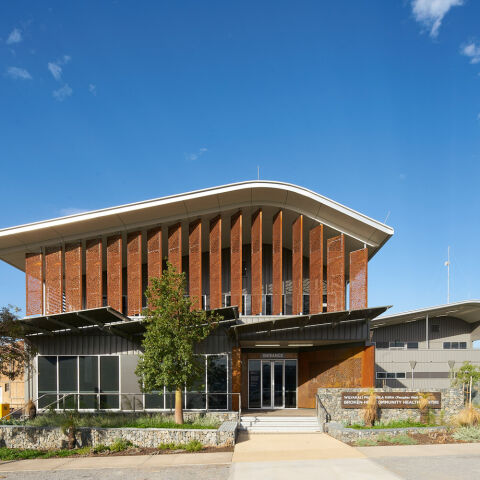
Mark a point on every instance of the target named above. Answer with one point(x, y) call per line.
point(368, 367)
point(277, 263)
point(73, 276)
point(93, 273)
point(134, 273)
point(336, 274)
point(316, 269)
point(114, 272)
point(359, 279)
point(236, 289)
point(236, 376)
point(216, 263)
point(154, 253)
point(195, 264)
point(175, 246)
point(297, 266)
point(53, 280)
point(34, 283)
point(256, 262)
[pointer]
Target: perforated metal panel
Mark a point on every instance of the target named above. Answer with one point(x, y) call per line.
point(114, 272)
point(359, 279)
point(134, 273)
point(316, 269)
point(195, 263)
point(73, 276)
point(336, 274)
point(216, 263)
point(53, 280)
point(34, 283)
point(297, 266)
point(277, 263)
point(256, 262)
point(236, 260)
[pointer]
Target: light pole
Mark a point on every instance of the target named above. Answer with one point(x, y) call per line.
point(413, 364)
point(451, 364)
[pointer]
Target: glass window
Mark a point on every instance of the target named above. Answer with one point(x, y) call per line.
point(109, 382)
point(381, 375)
point(254, 384)
point(381, 344)
point(155, 400)
point(412, 345)
point(462, 345)
point(446, 345)
point(454, 344)
point(290, 383)
point(397, 344)
point(390, 375)
point(217, 381)
point(196, 398)
point(401, 375)
point(88, 381)
point(47, 380)
point(67, 381)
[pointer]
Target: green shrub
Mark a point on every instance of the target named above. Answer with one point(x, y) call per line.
point(409, 422)
point(169, 446)
point(193, 446)
point(401, 439)
point(467, 434)
point(100, 448)
point(19, 454)
point(119, 445)
point(366, 442)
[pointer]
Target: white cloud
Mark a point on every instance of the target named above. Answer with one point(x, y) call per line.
point(16, 72)
point(194, 156)
point(14, 37)
point(430, 13)
point(92, 89)
point(56, 67)
point(62, 93)
point(472, 51)
point(55, 70)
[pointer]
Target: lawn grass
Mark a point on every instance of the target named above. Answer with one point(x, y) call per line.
point(192, 446)
point(20, 454)
point(402, 439)
point(118, 420)
point(365, 442)
point(392, 424)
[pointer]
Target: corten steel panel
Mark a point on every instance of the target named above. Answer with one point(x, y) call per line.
point(256, 262)
point(358, 279)
point(336, 274)
point(93, 273)
point(328, 368)
point(53, 280)
point(368, 367)
point(114, 272)
point(73, 276)
point(154, 253)
point(134, 273)
point(236, 375)
point(216, 263)
point(297, 266)
point(34, 283)
point(316, 269)
point(277, 265)
point(195, 264)
point(236, 260)
point(175, 246)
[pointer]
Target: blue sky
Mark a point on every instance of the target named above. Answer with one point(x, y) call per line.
point(374, 104)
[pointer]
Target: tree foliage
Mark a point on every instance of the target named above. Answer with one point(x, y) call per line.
point(466, 372)
point(15, 352)
point(172, 331)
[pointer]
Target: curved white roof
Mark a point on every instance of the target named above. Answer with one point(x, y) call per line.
point(191, 205)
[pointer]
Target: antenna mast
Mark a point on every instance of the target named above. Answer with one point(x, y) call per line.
point(447, 264)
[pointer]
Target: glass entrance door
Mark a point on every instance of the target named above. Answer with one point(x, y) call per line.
point(272, 383)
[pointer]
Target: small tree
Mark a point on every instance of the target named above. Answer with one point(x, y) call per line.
point(468, 375)
point(15, 352)
point(172, 331)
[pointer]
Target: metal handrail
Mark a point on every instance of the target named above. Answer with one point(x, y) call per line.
point(319, 404)
point(21, 408)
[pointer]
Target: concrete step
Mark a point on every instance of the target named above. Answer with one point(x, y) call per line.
point(279, 424)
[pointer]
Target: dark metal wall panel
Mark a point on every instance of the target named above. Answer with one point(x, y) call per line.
point(336, 274)
point(236, 260)
point(175, 246)
point(114, 272)
point(195, 264)
point(297, 266)
point(134, 273)
point(34, 283)
point(215, 249)
point(154, 252)
point(256, 262)
point(359, 279)
point(53, 280)
point(316, 269)
point(93, 273)
point(277, 261)
point(73, 276)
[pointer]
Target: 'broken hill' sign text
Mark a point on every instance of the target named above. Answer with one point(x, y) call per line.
point(390, 399)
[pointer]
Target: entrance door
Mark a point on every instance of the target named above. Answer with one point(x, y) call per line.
point(272, 384)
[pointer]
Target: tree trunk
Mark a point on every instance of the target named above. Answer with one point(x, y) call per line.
point(178, 407)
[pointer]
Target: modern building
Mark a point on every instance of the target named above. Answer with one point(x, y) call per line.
point(422, 348)
point(286, 267)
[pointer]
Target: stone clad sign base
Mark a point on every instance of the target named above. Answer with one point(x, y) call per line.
point(390, 399)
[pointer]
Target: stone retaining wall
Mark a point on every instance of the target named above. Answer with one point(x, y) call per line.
point(330, 403)
point(46, 438)
point(351, 435)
